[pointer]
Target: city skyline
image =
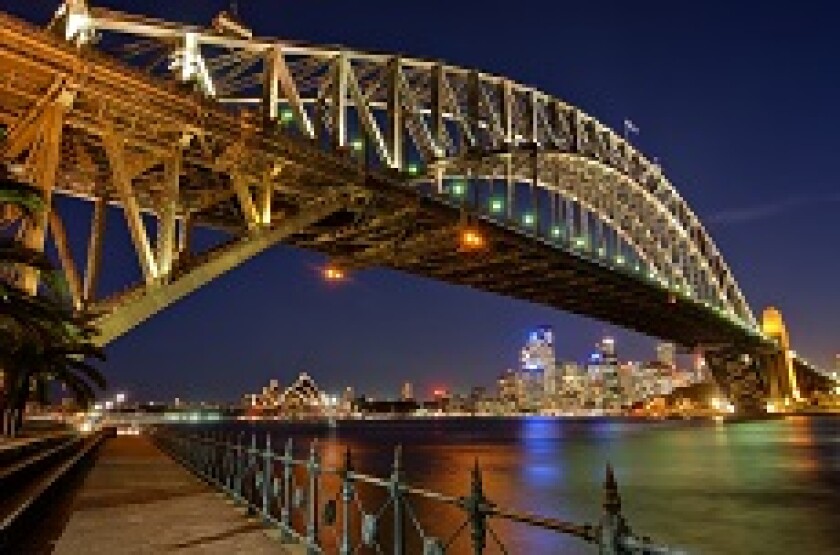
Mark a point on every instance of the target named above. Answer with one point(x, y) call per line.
point(275, 311)
point(536, 352)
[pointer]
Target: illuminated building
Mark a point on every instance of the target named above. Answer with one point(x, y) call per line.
point(507, 390)
point(538, 357)
point(605, 382)
point(666, 354)
point(407, 391)
point(302, 397)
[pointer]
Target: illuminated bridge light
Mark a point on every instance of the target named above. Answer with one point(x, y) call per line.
point(528, 219)
point(357, 144)
point(333, 273)
point(496, 205)
point(413, 169)
point(619, 260)
point(556, 232)
point(580, 242)
point(286, 115)
point(602, 251)
point(459, 189)
point(471, 239)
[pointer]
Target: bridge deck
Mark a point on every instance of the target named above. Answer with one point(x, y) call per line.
point(137, 500)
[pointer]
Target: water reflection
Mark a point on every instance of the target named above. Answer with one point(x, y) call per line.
point(757, 487)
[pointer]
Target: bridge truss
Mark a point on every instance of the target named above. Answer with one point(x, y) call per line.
point(373, 159)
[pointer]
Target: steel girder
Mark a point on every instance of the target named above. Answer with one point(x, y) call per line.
point(431, 118)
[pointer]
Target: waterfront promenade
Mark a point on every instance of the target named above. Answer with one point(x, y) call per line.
point(137, 500)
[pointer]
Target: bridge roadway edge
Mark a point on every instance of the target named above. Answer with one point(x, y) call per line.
point(136, 499)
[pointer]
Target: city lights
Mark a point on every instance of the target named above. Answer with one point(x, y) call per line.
point(357, 144)
point(528, 219)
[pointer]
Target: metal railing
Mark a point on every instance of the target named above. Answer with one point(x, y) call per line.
point(286, 491)
point(8, 423)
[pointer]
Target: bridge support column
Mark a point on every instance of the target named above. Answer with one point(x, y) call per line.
point(742, 379)
point(783, 388)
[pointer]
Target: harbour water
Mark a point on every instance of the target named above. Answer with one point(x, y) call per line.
point(754, 487)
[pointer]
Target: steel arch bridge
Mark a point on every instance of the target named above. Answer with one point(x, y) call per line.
point(371, 158)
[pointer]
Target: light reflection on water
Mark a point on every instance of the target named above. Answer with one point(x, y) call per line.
point(756, 487)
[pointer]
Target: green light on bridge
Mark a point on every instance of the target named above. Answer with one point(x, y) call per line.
point(459, 189)
point(413, 169)
point(580, 242)
point(619, 260)
point(286, 115)
point(497, 205)
point(528, 219)
point(602, 252)
point(556, 232)
point(357, 144)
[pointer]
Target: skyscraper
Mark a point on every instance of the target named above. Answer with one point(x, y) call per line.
point(538, 358)
point(837, 366)
point(407, 392)
point(604, 375)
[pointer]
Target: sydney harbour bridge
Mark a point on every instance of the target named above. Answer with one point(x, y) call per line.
point(374, 159)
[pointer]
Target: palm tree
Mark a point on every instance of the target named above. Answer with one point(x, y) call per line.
point(41, 336)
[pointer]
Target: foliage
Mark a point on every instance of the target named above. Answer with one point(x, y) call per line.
point(41, 336)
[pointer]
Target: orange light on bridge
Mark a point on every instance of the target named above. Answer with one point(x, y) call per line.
point(333, 273)
point(471, 239)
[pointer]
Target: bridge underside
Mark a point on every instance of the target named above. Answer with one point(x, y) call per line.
point(81, 124)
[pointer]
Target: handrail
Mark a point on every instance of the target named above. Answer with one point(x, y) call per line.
point(249, 474)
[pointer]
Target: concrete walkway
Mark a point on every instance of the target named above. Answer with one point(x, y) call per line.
point(137, 500)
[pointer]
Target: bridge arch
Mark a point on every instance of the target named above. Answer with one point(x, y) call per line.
point(433, 123)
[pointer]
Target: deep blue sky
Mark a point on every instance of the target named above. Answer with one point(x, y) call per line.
point(739, 101)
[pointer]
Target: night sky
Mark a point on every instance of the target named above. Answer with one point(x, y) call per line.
point(738, 100)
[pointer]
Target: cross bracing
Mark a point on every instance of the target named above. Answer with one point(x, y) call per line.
point(201, 127)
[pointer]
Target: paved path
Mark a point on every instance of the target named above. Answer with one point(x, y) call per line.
point(137, 500)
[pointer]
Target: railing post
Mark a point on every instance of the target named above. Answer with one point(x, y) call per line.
point(205, 454)
point(229, 463)
point(475, 507)
point(237, 468)
point(346, 547)
point(249, 480)
point(286, 511)
point(214, 457)
point(312, 525)
point(396, 500)
point(612, 527)
point(268, 479)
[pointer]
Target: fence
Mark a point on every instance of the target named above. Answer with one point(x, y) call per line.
point(249, 474)
point(8, 423)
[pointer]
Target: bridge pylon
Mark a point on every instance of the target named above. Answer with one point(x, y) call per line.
point(783, 387)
